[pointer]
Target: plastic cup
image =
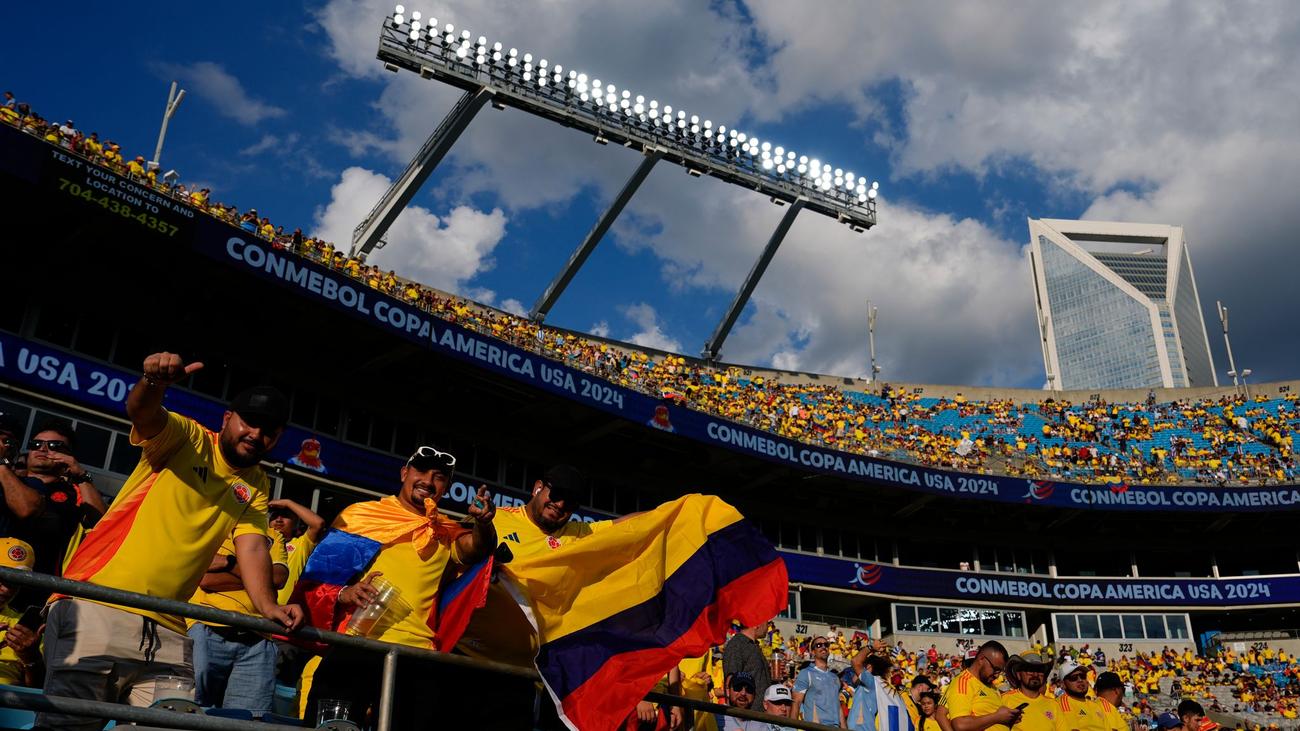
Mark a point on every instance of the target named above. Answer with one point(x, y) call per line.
point(328, 709)
point(387, 608)
point(173, 687)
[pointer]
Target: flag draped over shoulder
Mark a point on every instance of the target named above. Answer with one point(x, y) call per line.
point(621, 607)
point(892, 713)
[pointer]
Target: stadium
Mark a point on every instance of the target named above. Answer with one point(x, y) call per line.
point(922, 515)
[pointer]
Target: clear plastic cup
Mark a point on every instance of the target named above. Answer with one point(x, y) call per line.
point(173, 687)
point(387, 609)
point(329, 709)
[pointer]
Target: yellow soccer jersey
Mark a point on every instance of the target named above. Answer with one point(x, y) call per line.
point(236, 600)
point(176, 509)
point(1039, 715)
point(298, 551)
point(967, 696)
point(499, 631)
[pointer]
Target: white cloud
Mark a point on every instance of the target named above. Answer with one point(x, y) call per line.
point(223, 91)
point(599, 329)
point(268, 142)
point(444, 252)
point(514, 307)
point(650, 333)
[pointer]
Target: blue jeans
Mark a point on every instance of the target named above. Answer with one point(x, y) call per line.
point(233, 669)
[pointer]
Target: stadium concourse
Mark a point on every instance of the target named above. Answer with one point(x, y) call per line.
point(360, 403)
point(1226, 438)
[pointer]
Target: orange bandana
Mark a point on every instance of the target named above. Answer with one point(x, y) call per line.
point(389, 522)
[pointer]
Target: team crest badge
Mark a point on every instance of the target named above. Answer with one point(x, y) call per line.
point(553, 542)
point(17, 553)
point(290, 548)
point(1050, 716)
point(241, 492)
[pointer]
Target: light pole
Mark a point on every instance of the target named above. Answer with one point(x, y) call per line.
point(1223, 320)
point(173, 100)
point(871, 339)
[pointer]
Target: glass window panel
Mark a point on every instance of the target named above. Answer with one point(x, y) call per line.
point(1014, 624)
point(1089, 628)
point(92, 445)
point(991, 622)
point(906, 617)
point(1133, 627)
point(1067, 627)
point(1155, 626)
point(949, 622)
point(927, 619)
point(1110, 627)
point(1177, 624)
point(125, 457)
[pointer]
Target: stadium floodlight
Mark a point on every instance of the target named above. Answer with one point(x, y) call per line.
point(608, 113)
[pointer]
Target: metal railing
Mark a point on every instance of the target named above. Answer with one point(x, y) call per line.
point(390, 651)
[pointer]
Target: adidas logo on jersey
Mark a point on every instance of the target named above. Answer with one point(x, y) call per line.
point(513, 537)
point(202, 472)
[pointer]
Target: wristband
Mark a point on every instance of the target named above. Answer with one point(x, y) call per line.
point(152, 382)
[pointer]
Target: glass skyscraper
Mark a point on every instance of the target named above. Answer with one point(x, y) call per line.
point(1117, 306)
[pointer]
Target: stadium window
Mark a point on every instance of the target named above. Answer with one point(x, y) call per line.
point(1067, 627)
point(927, 619)
point(988, 558)
point(358, 427)
point(404, 439)
point(124, 457)
point(488, 466)
point(212, 379)
point(771, 530)
point(1089, 628)
point(990, 622)
point(12, 309)
point(1177, 625)
point(808, 539)
point(1133, 627)
point(92, 445)
point(56, 325)
point(94, 339)
point(514, 476)
point(303, 412)
point(1013, 624)
point(381, 434)
point(328, 416)
point(949, 621)
point(905, 618)
point(1155, 626)
point(1111, 628)
point(830, 541)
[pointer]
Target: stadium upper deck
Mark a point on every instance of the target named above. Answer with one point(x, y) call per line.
point(1118, 439)
point(370, 375)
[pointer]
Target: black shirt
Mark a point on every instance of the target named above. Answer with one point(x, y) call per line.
point(53, 526)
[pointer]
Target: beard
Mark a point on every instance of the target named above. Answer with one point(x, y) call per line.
point(230, 450)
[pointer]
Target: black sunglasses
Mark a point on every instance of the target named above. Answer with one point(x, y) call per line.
point(816, 645)
point(54, 445)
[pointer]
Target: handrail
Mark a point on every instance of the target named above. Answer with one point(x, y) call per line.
point(95, 592)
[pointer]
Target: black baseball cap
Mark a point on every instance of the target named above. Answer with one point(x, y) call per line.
point(742, 680)
point(9, 425)
point(262, 406)
point(566, 482)
point(1107, 681)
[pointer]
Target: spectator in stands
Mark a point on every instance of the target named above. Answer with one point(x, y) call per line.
point(742, 654)
point(1027, 675)
point(234, 668)
point(1191, 715)
point(778, 701)
point(928, 706)
point(741, 693)
point(20, 646)
point(972, 703)
point(871, 665)
point(69, 505)
point(817, 687)
point(191, 490)
point(416, 543)
point(21, 501)
point(1078, 711)
point(1109, 690)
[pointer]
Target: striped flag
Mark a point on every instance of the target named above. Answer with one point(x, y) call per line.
point(618, 609)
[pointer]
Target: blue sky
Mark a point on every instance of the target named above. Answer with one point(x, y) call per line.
point(972, 117)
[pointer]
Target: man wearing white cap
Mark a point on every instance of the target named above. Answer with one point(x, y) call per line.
point(1078, 712)
point(778, 701)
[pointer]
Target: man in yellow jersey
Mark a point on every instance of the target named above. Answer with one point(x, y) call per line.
point(414, 545)
point(1078, 712)
point(971, 701)
point(233, 668)
point(499, 630)
point(1192, 714)
point(191, 490)
point(1027, 674)
point(1110, 696)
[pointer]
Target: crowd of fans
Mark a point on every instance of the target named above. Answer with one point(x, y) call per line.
point(1223, 440)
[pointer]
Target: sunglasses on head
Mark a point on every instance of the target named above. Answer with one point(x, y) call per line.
point(53, 445)
point(431, 457)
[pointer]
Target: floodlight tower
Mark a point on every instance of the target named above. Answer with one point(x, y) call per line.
point(506, 77)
